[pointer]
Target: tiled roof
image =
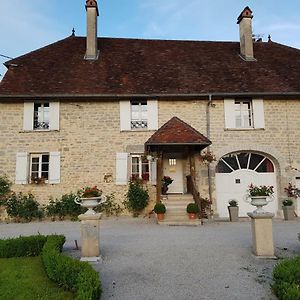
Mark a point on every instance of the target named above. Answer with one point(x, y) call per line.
point(176, 131)
point(152, 67)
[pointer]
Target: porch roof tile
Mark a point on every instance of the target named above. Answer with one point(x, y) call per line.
point(177, 132)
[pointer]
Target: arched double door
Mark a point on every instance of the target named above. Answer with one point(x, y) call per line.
point(235, 172)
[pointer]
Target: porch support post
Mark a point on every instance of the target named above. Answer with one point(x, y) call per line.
point(159, 176)
point(192, 163)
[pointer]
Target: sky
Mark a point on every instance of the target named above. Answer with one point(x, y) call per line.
point(26, 25)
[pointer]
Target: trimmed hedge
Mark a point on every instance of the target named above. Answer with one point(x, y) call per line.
point(72, 274)
point(286, 276)
point(22, 246)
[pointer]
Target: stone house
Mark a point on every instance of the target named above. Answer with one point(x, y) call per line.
point(85, 111)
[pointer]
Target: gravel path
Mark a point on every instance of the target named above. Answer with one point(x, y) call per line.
point(143, 261)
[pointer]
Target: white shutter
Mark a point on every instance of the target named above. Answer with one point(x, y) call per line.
point(54, 168)
point(153, 165)
point(28, 116)
point(122, 169)
point(125, 115)
point(152, 106)
point(229, 113)
point(22, 168)
point(54, 115)
point(258, 113)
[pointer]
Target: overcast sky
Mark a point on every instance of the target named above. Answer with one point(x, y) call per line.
point(26, 25)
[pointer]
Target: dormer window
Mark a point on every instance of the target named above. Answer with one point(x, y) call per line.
point(41, 116)
point(139, 115)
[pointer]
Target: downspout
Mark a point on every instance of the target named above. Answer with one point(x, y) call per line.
point(209, 104)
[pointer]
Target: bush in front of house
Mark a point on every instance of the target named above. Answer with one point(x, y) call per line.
point(23, 207)
point(137, 197)
point(286, 277)
point(72, 274)
point(110, 207)
point(5, 185)
point(65, 206)
point(22, 246)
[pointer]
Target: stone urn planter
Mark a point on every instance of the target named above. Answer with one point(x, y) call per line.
point(233, 210)
point(259, 202)
point(90, 203)
point(288, 210)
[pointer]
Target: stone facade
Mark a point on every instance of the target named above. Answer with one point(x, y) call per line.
point(90, 136)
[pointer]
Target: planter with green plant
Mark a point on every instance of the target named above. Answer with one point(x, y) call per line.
point(233, 210)
point(160, 210)
point(288, 209)
point(192, 209)
point(288, 204)
point(166, 181)
point(260, 196)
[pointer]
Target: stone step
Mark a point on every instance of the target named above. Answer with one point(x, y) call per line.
point(178, 202)
point(196, 222)
point(179, 196)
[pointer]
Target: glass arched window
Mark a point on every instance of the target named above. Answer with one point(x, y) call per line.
point(245, 160)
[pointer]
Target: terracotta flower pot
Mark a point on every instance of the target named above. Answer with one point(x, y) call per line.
point(160, 217)
point(192, 216)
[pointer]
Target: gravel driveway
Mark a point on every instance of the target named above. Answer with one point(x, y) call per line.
point(143, 261)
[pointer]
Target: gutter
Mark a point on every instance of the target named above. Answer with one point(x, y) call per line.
point(209, 104)
point(147, 96)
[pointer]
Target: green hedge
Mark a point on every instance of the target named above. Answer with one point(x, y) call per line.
point(286, 276)
point(22, 246)
point(72, 274)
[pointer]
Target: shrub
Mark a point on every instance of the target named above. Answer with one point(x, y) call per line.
point(22, 246)
point(72, 274)
point(63, 207)
point(233, 203)
point(286, 277)
point(23, 207)
point(287, 202)
point(160, 208)
point(110, 207)
point(192, 208)
point(137, 196)
point(5, 185)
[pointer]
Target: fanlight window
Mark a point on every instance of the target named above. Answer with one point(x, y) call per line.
point(245, 160)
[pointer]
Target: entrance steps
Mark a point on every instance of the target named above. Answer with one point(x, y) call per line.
point(176, 214)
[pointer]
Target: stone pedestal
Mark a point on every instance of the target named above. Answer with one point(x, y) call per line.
point(262, 234)
point(90, 242)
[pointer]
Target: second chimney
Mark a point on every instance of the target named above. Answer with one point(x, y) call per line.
point(92, 12)
point(246, 41)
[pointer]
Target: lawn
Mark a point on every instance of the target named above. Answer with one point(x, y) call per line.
point(25, 278)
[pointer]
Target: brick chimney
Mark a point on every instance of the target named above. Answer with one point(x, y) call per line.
point(92, 13)
point(246, 41)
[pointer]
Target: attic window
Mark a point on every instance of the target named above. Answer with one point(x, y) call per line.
point(139, 115)
point(41, 116)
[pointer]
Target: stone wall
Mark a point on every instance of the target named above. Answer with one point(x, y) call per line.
point(89, 138)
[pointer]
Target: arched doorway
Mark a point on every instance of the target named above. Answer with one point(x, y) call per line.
point(235, 172)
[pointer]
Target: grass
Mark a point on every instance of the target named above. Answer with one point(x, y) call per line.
point(25, 278)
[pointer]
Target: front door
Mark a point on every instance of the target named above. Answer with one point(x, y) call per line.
point(173, 167)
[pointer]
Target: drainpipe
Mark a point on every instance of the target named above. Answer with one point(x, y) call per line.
point(209, 104)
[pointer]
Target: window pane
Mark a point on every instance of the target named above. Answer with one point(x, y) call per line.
point(243, 159)
point(266, 167)
point(231, 160)
point(35, 160)
point(223, 168)
point(255, 160)
point(45, 158)
point(45, 175)
point(34, 174)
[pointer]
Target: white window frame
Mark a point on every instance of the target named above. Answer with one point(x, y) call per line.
point(140, 119)
point(140, 162)
point(245, 115)
point(42, 120)
point(40, 157)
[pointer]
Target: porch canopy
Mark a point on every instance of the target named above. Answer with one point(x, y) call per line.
point(176, 136)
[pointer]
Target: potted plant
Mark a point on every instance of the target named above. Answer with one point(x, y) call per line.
point(259, 195)
point(160, 210)
point(166, 181)
point(89, 197)
point(233, 210)
point(192, 209)
point(288, 204)
point(288, 209)
point(207, 157)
